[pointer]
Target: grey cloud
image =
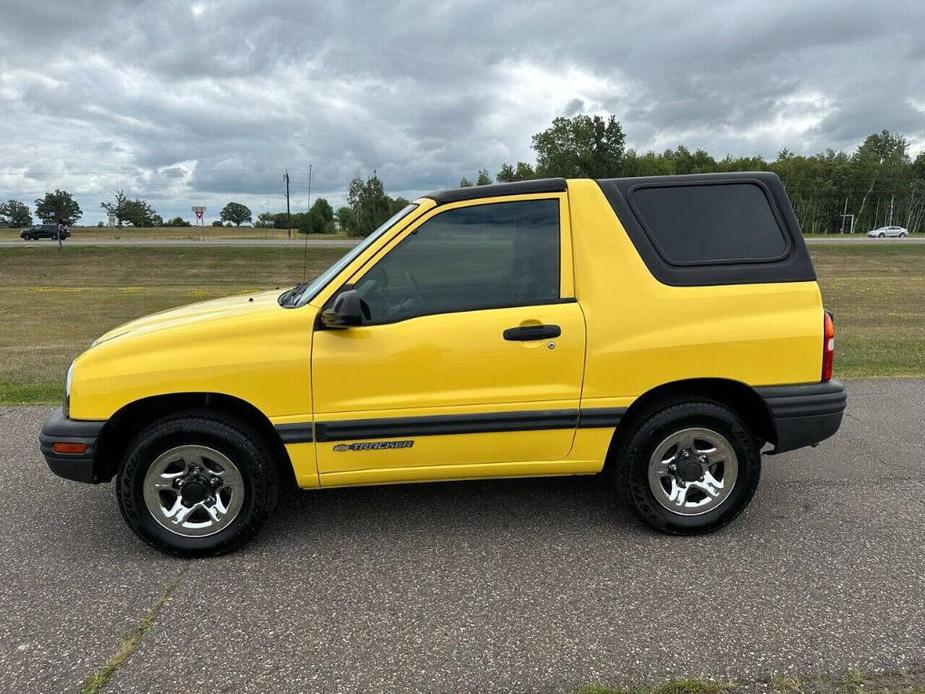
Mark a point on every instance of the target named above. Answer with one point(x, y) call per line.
point(181, 104)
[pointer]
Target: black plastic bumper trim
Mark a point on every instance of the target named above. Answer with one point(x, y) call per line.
point(60, 429)
point(295, 433)
point(435, 425)
point(600, 417)
point(804, 414)
point(445, 424)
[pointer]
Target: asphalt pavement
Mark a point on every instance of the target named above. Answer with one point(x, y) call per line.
point(348, 243)
point(505, 586)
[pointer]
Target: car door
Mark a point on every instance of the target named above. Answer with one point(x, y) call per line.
point(471, 354)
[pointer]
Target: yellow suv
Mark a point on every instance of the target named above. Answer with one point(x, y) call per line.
point(659, 330)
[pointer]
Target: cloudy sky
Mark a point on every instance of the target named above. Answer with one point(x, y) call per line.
point(201, 102)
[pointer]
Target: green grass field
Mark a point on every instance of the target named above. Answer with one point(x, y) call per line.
point(56, 302)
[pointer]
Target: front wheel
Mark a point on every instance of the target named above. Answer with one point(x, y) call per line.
point(881, 235)
point(194, 484)
point(688, 467)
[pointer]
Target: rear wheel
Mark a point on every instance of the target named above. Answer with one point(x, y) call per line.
point(902, 234)
point(196, 485)
point(688, 467)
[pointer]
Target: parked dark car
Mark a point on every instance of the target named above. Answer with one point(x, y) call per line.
point(43, 231)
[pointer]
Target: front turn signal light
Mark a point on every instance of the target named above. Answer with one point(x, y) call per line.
point(68, 448)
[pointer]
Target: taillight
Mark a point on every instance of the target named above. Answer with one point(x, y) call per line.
point(828, 346)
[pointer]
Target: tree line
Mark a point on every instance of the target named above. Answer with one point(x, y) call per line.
point(877, 184)
point(368, 207)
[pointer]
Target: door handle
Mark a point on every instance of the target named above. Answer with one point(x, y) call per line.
point(532, 332)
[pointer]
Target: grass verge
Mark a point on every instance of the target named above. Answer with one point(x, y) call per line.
point(851, 682)
point(56, 302)
point(877, 294)
point(98, 679)
point(684, 685)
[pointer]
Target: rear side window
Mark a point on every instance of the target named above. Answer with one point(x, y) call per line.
point(707, 229)
point(710, 224)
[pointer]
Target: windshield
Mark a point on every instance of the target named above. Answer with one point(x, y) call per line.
point(303, 293)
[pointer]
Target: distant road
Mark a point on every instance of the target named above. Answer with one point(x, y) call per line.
point(863, 240)
point(349, 243)
point(316, 243)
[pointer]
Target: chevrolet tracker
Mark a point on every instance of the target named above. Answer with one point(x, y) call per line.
point(660, 331)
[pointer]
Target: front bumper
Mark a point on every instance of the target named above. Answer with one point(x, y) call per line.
point(804, 415)
point(60, 429)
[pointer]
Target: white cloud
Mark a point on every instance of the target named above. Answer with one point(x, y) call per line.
point(201, 103)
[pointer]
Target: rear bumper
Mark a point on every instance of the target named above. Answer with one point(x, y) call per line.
point(804, 415)
point(60, 429)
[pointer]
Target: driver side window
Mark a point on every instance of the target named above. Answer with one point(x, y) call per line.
point(470, 258)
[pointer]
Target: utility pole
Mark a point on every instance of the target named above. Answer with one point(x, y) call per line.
point(288, 218)
point(843, 215)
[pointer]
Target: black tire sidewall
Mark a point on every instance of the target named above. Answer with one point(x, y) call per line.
point(239, 444)
point(655, 429)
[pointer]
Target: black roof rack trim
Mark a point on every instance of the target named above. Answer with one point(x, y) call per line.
point(540, 185)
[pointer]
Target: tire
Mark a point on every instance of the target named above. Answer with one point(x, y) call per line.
point(647, 441)
point(902, 236)
point(191, 448)
point(881, 235)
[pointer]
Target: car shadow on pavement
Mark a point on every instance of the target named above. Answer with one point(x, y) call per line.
point(466, 508)
point(308, 520)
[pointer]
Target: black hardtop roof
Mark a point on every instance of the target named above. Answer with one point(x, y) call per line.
point(681, 179)
point(558, 185)
point(540, 185)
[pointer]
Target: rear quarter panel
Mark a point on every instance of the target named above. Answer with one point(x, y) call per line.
point(642, 333)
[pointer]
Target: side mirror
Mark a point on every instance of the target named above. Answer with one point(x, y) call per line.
point(346, 311)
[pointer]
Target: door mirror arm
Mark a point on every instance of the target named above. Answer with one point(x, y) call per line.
point(346, 311)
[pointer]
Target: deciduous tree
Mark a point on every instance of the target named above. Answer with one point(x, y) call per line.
point(236, 213)
point(14, 213)
point(59, 206)
point(522, 172)
point(580, 147)
point(370, 204)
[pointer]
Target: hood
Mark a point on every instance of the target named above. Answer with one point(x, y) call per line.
point(203, 312)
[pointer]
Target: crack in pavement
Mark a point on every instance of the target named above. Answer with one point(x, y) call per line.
point(98, 679)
